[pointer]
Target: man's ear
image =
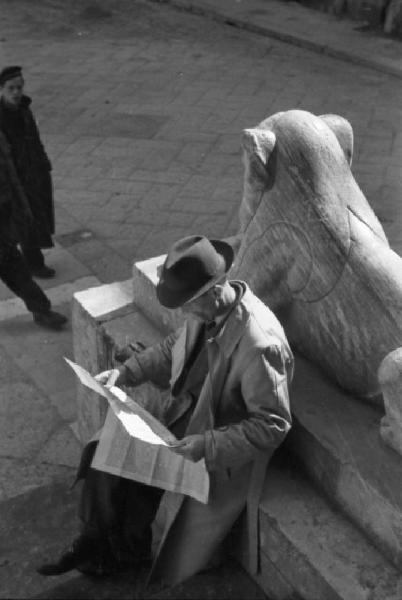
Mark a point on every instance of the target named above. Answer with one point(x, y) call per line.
point(217, 290)
point(259, 143)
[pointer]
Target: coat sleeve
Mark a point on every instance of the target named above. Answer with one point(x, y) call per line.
point(6, 192)
point(42, 154)
point(154, 364)
point(264, 388)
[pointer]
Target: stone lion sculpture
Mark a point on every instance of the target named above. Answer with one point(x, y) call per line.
point(313, 249)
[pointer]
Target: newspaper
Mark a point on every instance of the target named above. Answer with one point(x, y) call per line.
point(135, 445)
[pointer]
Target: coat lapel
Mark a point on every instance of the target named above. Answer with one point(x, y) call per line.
point(182, 348)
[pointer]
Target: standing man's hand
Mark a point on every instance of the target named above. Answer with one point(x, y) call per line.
point(191, 447)
point(110, 378)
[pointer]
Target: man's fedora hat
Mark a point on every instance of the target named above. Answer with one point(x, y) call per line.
point(193, 265)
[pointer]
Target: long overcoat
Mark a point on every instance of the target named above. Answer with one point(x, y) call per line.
point(33, 169)
point(15, 213)
point(242, 410)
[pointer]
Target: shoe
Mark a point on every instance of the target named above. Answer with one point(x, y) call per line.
point(50, 319)
point(43, 272)
point(80, 552)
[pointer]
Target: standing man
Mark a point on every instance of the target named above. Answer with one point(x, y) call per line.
point(32, 167)
point(16, 226)
point(228, 370)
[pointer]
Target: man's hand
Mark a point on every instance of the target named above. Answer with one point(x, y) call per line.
point(191, 447)
point(123, 353)
point(110, 378)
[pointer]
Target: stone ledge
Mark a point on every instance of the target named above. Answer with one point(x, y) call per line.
point(336, 438)
point(310, 551)
point(90, 309)
point(104, 317)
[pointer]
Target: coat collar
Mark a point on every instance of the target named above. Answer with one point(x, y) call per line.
point(230, 333)
point(226, 339)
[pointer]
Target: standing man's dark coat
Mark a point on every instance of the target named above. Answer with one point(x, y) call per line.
point(33, 167)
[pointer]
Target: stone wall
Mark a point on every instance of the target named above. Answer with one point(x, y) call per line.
point(383, 14)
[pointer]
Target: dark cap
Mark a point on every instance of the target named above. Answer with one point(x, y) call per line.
point(193, 265)
point(9, 73)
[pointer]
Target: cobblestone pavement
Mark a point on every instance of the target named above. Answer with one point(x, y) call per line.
point(141, 108)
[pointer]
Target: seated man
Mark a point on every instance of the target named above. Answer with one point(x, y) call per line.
point(228, 369)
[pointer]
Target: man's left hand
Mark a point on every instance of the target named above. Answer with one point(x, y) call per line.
point(191, 447)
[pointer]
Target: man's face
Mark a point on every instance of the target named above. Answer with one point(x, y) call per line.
point(12, 90)
point(203, 308)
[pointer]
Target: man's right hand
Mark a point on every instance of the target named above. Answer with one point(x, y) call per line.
point(122, 354)
point(110, 378)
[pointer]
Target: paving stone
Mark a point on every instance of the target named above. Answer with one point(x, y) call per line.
point(19, 475)
point(64, 401)
point(62, 448)
point(35, 527)
point(26, 419)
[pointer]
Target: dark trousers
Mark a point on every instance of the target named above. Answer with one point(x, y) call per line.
point(116, 511)
point(15, 273)
point(33, 256)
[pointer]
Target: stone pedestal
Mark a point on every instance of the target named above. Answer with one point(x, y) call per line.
point(91, 308)
point(110, 316)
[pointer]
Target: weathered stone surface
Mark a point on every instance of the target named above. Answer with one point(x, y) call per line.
point(20, 475)
point(90, 309)
point(21, 436)
point(316, 550)
point(104, 318)
point(62, 448)
point(393, 17)
point(32, 527)
point(336, 439)
point(312, 248)
point(369, 11)
point(390, 378)
point(120, 331)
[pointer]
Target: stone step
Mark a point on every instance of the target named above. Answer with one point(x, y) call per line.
point(310, 551)
point(336, 438)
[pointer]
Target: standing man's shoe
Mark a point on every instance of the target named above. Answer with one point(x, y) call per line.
point(50, 319)
point(44, 272)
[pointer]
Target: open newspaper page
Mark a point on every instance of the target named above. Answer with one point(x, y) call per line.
point(135, 445)
point(120, 454)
